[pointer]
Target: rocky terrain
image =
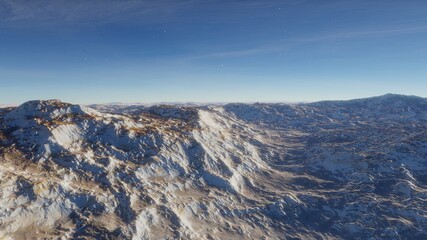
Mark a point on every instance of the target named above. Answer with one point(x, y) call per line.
point(326, 170)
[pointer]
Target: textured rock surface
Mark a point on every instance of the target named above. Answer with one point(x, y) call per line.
point(326, 170)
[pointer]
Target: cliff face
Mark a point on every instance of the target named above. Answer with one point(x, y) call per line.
point(329, 170)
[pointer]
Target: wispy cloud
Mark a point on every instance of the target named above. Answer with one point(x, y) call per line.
point(82, 11)
point(283, 45)
point(364, 34)
point(57, 12)
point(239, 53)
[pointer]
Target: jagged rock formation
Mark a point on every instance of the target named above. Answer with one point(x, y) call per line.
point(327, 170)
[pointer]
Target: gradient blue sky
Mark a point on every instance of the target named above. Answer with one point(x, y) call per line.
point(97, 51)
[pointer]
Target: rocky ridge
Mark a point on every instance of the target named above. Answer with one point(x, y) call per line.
point(326, 170)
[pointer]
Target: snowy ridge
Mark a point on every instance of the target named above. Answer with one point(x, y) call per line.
point(326, 170)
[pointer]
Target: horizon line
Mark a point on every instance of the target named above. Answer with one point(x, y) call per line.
point(203, 103)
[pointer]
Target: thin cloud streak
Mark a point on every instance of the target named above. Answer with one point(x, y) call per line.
point(368, 33)
point(76, 12)
point(239, 53)
point(58, 12)
point(284, 45)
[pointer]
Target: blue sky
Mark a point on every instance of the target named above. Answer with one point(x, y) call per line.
point(93, 51)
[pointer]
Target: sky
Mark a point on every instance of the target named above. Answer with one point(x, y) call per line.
point(101, 51)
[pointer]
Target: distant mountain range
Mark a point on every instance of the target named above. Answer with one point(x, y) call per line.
point(352, 169)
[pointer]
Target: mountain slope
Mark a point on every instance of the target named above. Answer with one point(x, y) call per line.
point(329, 170)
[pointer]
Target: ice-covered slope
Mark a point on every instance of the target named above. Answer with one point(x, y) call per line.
point(326, 170)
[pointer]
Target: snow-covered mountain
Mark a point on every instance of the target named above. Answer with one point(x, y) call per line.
point(327, 170)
